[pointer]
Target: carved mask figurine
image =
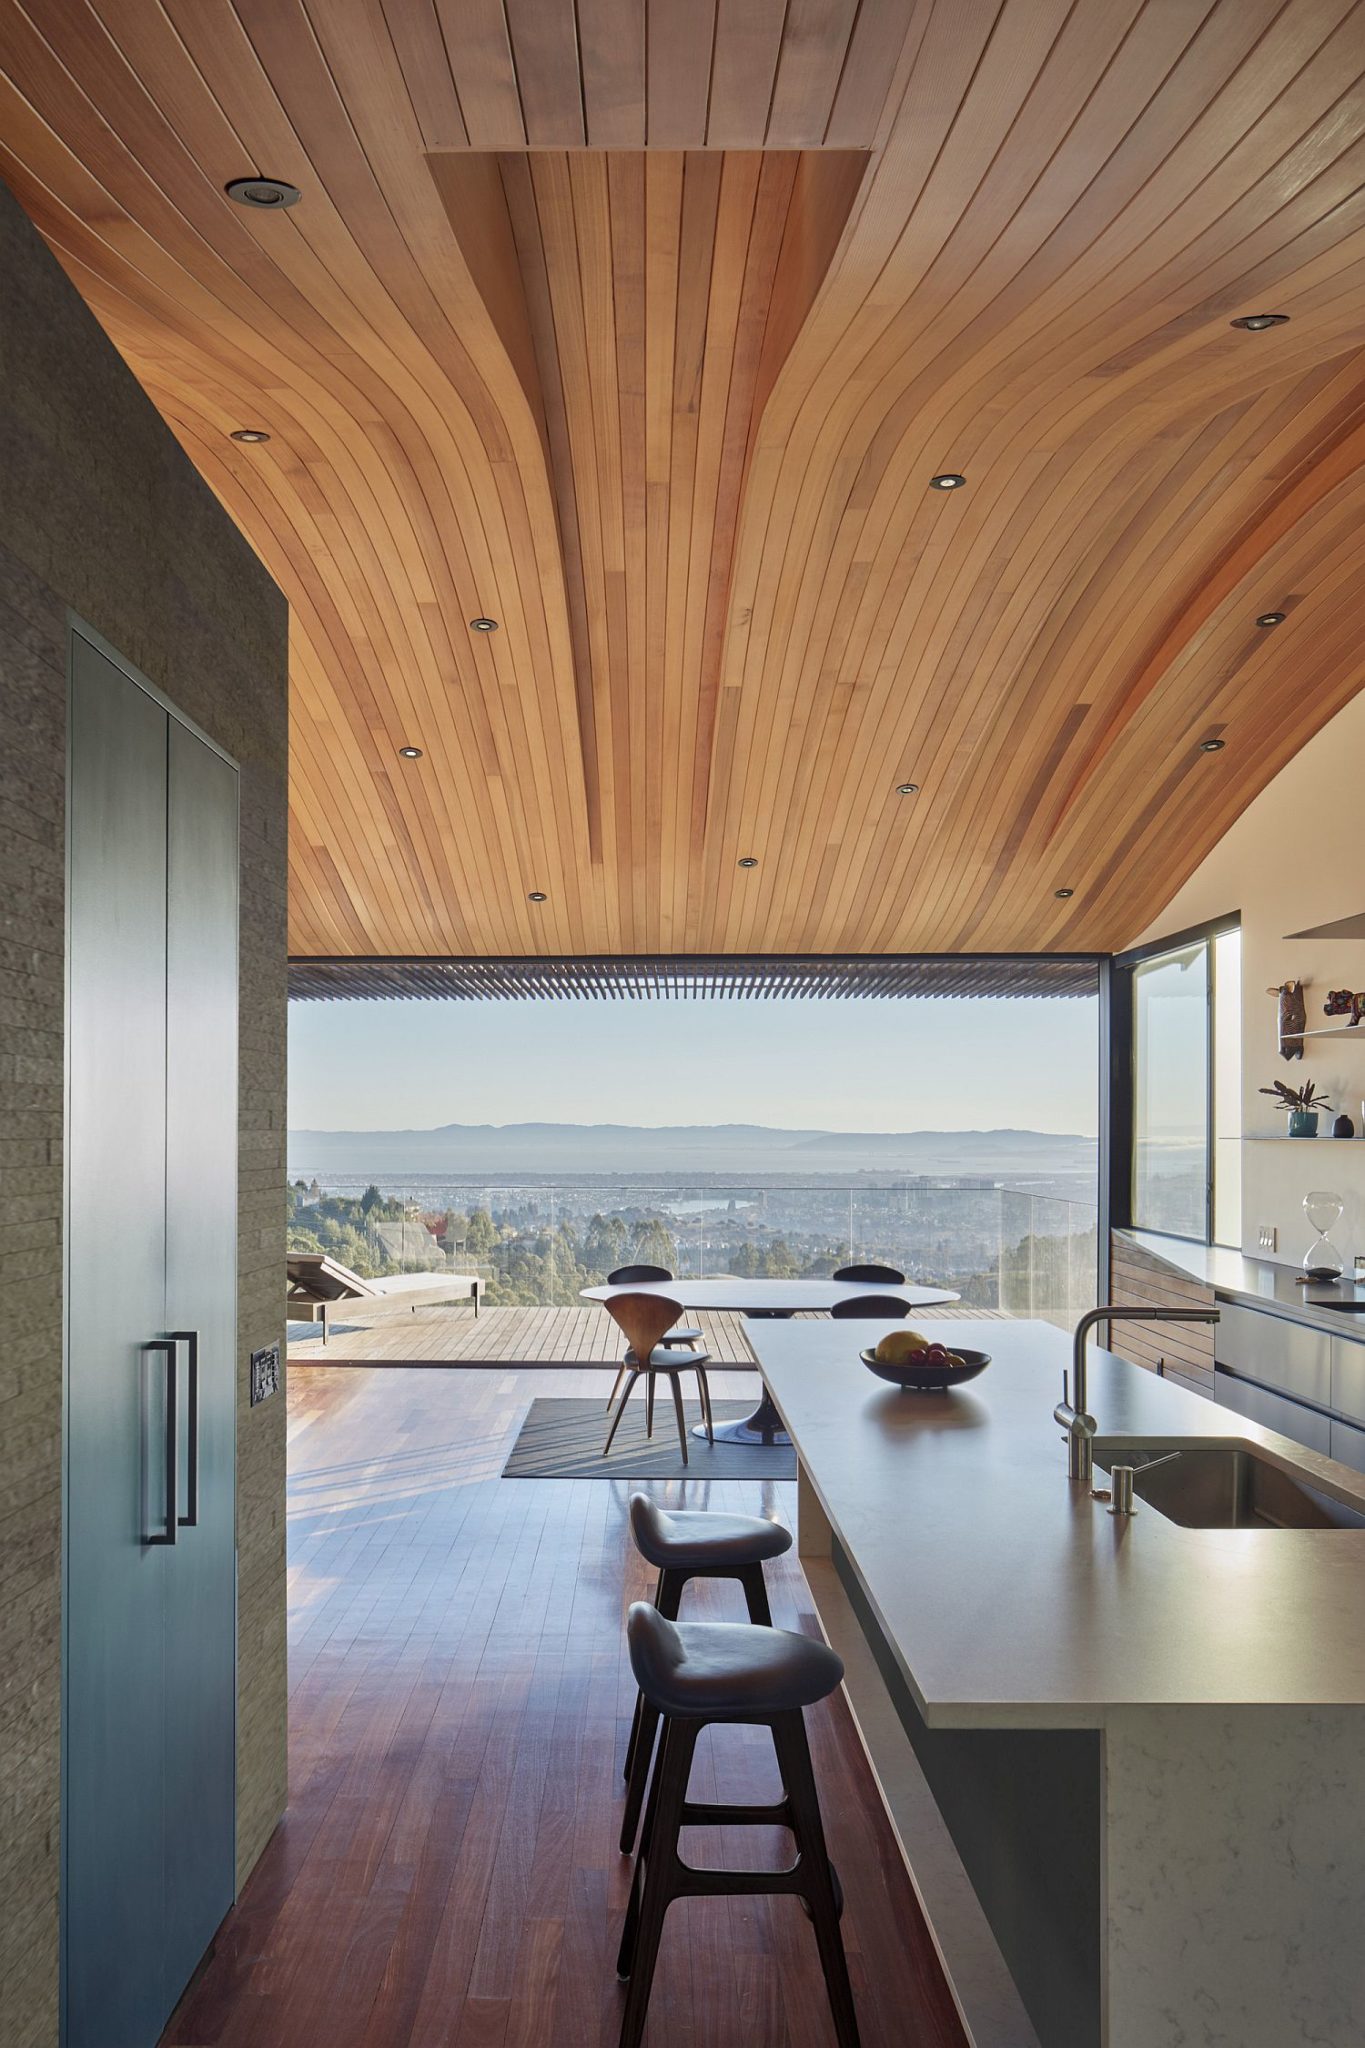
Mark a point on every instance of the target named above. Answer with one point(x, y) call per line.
point(1345, 1002)
point(1293, 1017)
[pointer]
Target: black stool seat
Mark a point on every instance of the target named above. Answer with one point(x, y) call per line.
point(703, 1542)
point(710, 1669)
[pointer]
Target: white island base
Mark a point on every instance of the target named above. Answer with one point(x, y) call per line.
point(1097, 1872)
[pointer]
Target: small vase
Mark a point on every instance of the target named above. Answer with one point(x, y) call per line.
point(1303, 1123)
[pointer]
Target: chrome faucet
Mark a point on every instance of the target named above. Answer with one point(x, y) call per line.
point(1070, 1411)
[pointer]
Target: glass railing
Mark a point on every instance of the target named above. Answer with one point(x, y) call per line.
point(537, 1245)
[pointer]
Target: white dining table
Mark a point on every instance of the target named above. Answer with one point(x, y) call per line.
point(722, 1292)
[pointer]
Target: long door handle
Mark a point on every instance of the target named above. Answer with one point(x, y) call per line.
point(166, 1346)
point(190, 1520)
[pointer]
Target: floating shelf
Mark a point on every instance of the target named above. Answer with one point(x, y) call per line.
point(1329, 1031)
point(1283, 1138)
point(1342, 928)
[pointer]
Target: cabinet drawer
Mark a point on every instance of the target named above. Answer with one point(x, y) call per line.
point(1348, 1378)
point(1273, 1411)
point(1279, 1354)
point(1348, 1444)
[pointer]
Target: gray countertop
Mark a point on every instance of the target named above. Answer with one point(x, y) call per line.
point(1007, 1596)
point(1260, 1283)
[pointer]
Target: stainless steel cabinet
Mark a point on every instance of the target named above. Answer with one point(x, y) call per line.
point(1288, 1356)
point(1302, 1425)
point(150, 1649)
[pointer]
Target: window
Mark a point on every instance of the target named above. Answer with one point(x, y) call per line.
point(1182, 1011)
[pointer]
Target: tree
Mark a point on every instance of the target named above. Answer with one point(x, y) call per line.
point(371, 1200)
point(482, 1235)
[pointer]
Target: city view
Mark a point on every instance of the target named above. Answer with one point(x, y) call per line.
point(540, 1205)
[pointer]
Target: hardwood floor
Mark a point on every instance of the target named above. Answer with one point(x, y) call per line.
point(447, 1872)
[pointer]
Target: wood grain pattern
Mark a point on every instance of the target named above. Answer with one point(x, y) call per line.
point(1185, 1350)
point(447, 1875)
point(641, 327)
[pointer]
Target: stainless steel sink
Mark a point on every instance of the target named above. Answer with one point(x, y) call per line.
point(1224, 1486)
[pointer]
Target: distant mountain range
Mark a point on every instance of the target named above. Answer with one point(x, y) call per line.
point(563, 1149)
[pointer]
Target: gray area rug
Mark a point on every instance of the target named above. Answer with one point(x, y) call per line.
point(564, 1439)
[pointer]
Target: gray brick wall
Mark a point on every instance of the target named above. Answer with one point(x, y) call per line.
point(102, 513)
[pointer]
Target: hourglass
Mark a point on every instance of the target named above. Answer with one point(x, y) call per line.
point(1322, 1260)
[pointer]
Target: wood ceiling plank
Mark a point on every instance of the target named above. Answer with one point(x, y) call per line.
point(748, 41)
point(810, 63)
point(479, 48)
point(680, 37)
point(545, 54)
point(611, 35)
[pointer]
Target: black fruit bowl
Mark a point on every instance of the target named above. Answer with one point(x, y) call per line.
point(913, 1376)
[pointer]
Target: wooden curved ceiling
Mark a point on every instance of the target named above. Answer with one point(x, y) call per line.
point(642, 329)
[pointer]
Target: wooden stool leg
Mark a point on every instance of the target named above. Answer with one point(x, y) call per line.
point(616, 1419)
point(621, 1371)
point(649, 1402)
point(756, 1595)
point(675, 1381)
point(793, 1756)
point(659, 1860)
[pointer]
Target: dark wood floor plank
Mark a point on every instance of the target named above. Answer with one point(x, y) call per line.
point(447, 1875)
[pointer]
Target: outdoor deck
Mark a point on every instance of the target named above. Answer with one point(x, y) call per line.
point(439, 1335)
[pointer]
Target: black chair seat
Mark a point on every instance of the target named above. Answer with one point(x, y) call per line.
point(693, 1541)
point(683, 1334)
point(713, 1669)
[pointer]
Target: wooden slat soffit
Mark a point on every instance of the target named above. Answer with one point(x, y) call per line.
point(879, 974)
point(641, 326)
point(647, 302)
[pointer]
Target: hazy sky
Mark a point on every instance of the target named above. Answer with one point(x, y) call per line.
point(856, 1065)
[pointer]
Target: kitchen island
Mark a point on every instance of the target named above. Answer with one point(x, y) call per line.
point(1125, 1758)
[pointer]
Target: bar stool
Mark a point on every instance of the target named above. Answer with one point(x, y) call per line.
point(683, 1545)
point(694, 1673)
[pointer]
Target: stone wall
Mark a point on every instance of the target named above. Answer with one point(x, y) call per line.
point(102, 514)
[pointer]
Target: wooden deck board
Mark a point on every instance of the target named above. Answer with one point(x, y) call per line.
point(513, 1336)
point(447, 1874)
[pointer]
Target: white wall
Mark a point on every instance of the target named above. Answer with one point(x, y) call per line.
point(1295, 857)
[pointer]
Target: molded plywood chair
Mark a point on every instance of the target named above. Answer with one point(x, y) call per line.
point(636, 1276)
point(644, 1318)
point(870, 1275)
point(866, 1307)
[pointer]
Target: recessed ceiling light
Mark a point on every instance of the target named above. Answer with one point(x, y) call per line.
point(1271, 619)
point(746, 860)
point(251, 434)
point(907, 789)
point(267, 193)
point(1253, 323)
point(483, 625)
point(1212, 746)
point(1062, 894)
point(536, 896)
point(949, 481)
point(411, 753)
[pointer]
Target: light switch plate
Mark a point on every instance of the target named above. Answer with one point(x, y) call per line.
point(1267, 1237)
point(265, 1374)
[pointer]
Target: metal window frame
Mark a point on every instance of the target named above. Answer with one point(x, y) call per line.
point(1118, 1108)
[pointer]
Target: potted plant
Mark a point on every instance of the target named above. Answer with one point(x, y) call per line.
point(1302, 1104)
